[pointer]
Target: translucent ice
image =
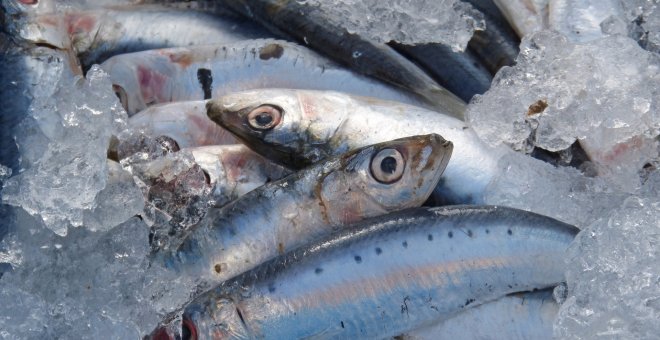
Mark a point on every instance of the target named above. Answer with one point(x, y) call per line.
point(87, 285)
point(604, 93)
point(66, 138)
point(450, 22)
point(614, 276)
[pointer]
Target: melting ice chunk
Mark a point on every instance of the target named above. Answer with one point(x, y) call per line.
point(604, 93)
point(66, 166)
point(450, 22)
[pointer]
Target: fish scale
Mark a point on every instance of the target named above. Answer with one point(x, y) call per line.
point(388, 275)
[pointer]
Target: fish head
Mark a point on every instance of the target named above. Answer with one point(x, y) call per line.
point(292, 127)
point(209, 317)
point(384, 177)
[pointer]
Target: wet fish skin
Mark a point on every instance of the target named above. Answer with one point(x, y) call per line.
point(185, 122)
point(317, 125)
point(99, 33)
point(235, 170)
point(459, 72)
point(288, 213)
point(388, 275)
point(520, 316)
point(204, 72)
point(308, 25)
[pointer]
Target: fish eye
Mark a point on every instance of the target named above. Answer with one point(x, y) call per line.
point(264, 117)
point(121, 94)
point(188, 331)
point(387, 166)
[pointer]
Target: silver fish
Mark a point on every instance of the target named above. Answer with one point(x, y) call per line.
point(290, 212)
point(97, 34)
point(316, 125)
point(311, 26)
point(184, 122)
point(386, 276)
point(145, 78)
point(518, 316)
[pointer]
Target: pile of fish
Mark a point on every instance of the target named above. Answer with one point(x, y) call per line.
point(306, 179)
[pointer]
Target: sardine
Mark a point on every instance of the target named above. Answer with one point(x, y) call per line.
point(202, 72)
point(185, 122)
point(97, 34)
point(235, 170)
point(519, 316)
point(310, 25)
point(316, 125)
point(288, 213)
point(386, 276)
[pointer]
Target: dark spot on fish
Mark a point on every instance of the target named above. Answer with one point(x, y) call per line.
point(404, 244)
point(358, 259)
point(469, 233)
point(450, 234)
point(430, 237)
point(404, 306)
point(271, 288)
point(205, 79)
point(318, 270)
point(509, 232)
point(271, 51)
point(468, 301)
point(378, 251)
point(342, 324)
point(487, 231)
point(240, 315)
point(510, 286)
point(218, 268)
point(280, 248)
point(537, 107)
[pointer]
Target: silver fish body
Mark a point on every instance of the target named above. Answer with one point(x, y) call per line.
point(520, 316)
point(100, 33)
point(316, 125)
point(184, 122)
point(203, 72)
point(388, 275)
point(288, 213)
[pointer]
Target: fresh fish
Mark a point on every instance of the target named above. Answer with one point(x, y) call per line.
point(310, 25)
point(202, 72)
point(235, 170)
point(97, 34)
point(525, 16)
point(386, 276)
point(288, 213)
point(316, 125)
point(497, 45)
point(184, 122)
point(459, 72)
point(520, 316)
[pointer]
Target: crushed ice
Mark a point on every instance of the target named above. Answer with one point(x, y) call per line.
point(449, 22)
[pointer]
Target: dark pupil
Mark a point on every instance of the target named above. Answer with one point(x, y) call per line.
point(388, 165)
point(264, 118)
point(185, 332)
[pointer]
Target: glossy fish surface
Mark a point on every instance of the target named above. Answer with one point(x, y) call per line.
point(387, 275)
point(288, 213)
point(204, 72)
point(185, 122)
point(317, 124)
point(519, 316)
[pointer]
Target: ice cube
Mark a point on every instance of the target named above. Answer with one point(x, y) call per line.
point(614, 276)
point(450, 22)
point(604, 94)
point(69, 133)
